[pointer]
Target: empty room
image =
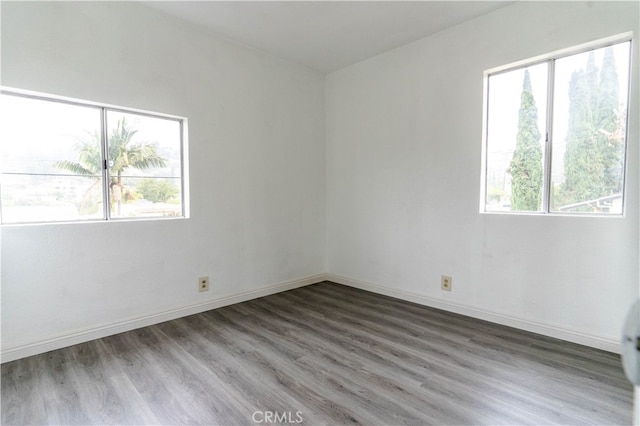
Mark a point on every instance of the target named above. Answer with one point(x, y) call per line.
point(319, 212)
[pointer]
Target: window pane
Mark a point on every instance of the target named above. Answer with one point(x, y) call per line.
point(50, 198)
point(145, 165)
point(516, 123)
point(50, 161)
point(148, 197)
point(589, 131)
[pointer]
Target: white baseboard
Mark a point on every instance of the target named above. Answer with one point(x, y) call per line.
point(81, 336)
point(546, 329)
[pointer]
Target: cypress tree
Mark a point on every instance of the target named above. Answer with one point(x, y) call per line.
point(593, 156)
point(526, 165)
point(608, 96)
point(611, 145)
point(582, 158)
point(591, 75)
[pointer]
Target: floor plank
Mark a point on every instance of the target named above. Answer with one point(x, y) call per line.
point(322, 354)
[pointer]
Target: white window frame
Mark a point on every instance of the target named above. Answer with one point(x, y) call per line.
point(550, 58)
point(104, 109)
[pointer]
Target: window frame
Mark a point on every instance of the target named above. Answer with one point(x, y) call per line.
point(103, 110)
point(550, 59)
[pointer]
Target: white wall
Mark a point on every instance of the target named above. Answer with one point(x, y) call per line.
point(256, 139)
point(404, 133)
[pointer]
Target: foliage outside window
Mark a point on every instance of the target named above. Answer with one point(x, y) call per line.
point(556, 134)
point(72, 161)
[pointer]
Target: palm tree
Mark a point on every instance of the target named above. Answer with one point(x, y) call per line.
point(89, 164)
point(123, 154)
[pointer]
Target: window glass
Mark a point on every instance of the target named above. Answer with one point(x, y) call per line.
point(515, 139)
point(589, 128)
point(144, 165)
point(50, 161)
point(576, 163)
point(56, 155)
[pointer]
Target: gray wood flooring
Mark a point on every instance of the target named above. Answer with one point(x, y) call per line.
point(323, 354)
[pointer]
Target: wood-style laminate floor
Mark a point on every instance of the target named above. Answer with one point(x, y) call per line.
point(323, 354)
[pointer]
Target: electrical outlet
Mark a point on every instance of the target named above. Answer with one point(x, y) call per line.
point(203, 284)
point(445, 282)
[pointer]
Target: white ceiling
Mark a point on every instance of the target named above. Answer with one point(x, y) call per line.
point(325, 35)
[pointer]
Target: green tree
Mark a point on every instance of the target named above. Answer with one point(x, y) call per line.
point(526, 165)
point(582, 159)
point(595, 142)
point(607, 92)
point(610, 124)
point(157, 190)
point(123, 154)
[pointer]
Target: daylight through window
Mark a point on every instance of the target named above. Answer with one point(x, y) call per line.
point(71, 161)
point(556, 134)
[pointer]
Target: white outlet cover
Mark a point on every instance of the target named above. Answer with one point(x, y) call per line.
point(203, 284)
point(446, 282)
